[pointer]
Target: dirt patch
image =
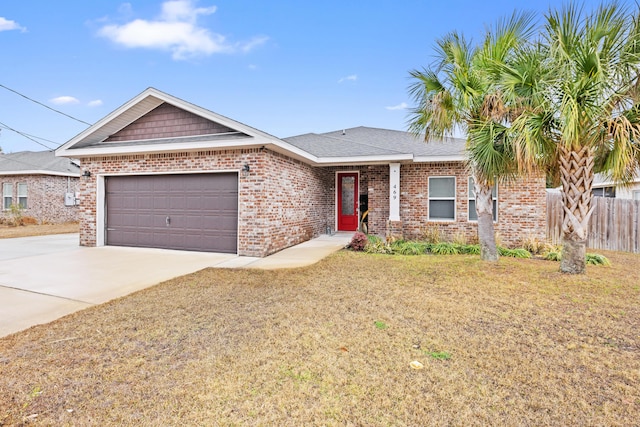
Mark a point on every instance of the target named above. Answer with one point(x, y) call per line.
point(515, 343)
point(7, 231)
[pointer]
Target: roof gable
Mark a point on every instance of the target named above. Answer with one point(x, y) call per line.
point(168, 121)
point(155, 121)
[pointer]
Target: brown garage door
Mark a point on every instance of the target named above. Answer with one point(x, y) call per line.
point(196, 212)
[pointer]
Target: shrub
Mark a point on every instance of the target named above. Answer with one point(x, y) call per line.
point(410, 248)
point(15, 212)
point(535, 245)
point(459, 238)
point(597, 259)
point(470, 249)
point(514, 253)
point(29, 220)
point(431, 234)
point(444, 248)
point(377, 246)
point(553, 255)
point(358, 242)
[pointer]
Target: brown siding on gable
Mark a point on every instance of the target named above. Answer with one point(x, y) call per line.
point(167, 121)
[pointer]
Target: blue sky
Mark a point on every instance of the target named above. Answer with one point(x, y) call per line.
point(284, 67)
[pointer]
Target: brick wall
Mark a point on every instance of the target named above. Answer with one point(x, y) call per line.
point(282, 201)
point(45, 197)
point(521, 203)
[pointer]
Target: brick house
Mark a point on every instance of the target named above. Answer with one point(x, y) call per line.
point(162, 172)
point(42, 185)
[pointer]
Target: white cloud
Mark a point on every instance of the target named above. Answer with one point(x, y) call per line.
point(401, 106)
point(8, 25)
point(352, 78)
point(253, 43)
point(175, 30)
point(64, 100)
point(95, 103)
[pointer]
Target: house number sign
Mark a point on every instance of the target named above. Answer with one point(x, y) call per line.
point(394, 191)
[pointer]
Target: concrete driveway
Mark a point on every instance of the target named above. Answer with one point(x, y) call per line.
point(46, 277)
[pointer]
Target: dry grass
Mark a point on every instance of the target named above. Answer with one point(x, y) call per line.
point(7, 231)
point(528, 346)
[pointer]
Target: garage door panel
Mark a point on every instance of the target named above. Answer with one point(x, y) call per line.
point(203, 211)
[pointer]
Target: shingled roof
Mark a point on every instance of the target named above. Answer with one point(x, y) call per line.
point(37, 163)
point(366, 141)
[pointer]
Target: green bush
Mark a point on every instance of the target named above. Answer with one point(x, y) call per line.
point(470, 249)
point(444, 248)
point(597, 259)
point(410, 248)
point(553, 255)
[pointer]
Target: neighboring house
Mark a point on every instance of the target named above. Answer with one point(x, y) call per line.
point(161, 172)
point(41, 184)
point(604, 187)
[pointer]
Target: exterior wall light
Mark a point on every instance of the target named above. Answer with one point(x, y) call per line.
point(86, 173)
point(246, 169)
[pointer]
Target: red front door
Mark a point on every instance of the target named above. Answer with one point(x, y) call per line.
point(347, 201)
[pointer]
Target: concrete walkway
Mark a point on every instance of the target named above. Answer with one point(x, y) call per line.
point(46, 277)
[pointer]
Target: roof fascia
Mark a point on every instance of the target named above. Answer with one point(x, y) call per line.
point(439, 159)
point(40, 172)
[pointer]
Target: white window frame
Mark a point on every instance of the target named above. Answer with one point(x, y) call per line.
point(7, 193)
point(472, 198)
point(636, 195)
point(603, 191)
point(21, 196)
point(454, 199)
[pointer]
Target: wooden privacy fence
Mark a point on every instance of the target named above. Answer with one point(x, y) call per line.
point(614, 224)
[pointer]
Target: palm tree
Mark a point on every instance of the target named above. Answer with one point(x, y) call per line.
point(579, 98)
point(459, 92)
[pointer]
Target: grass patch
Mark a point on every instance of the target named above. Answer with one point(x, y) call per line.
point(523, 345)
point(439, 355)
point(7, 232)
point(380, 324)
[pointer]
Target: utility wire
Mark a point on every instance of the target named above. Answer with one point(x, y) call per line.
point(45, 106)
point(37, 137)
point(25, 135)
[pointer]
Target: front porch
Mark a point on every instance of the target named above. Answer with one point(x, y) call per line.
point(398, 204)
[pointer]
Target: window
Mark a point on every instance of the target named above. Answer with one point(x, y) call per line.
point(22, 195)
point(636, 195)
point(7, 195)
point(473, 215)
point(442, 198)
point(604, 192)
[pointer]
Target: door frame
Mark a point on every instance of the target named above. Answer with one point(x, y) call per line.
point(356, 196)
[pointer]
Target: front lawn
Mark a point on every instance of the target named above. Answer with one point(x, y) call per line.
point(515, 343)
point(9, 231)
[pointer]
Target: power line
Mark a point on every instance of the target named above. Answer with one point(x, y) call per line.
point(37, 137)
point(45, 106)
point(25, 135)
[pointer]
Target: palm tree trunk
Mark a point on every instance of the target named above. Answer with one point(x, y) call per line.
point(484, 209)
point(576, 173)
